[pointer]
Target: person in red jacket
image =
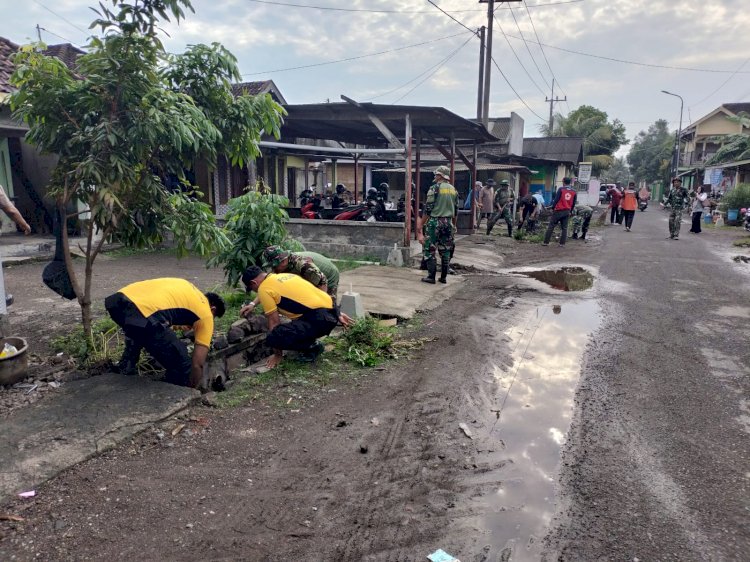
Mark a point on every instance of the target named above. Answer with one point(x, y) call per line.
point(562, 204)
point(615, 196)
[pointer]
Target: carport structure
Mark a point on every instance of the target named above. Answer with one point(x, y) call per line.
point(384, 131)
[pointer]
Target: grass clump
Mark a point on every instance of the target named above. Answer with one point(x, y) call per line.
point(107, 343)
point(526, 236)
point(742, 242)
point(367, 343)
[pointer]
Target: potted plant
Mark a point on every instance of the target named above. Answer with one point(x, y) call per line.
point(734, 200)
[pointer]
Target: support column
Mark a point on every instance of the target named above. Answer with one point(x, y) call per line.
point(407, 181)
point(474, 178)
point(417, 185)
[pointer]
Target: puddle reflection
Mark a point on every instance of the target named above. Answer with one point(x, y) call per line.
point(535, 402)
point(563, 279)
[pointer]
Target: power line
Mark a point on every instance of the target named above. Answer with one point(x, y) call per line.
point(442, 64)
point(66, 20)
point(417, 77)
point(552, 72)
point(722, 84)
point(58, 36)
point(527, 47)
point(355, 57)
point(371, 11)
point(514, 90)
point(451, 17)
point(499, 25)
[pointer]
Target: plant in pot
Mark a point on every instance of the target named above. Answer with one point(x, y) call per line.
point(734, 200)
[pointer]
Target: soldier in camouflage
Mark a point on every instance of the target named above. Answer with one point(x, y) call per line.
point(436, 226)
point(677, 198)
point(581, 219)
point(503, 206)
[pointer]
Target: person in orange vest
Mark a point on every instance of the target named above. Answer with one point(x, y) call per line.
point(629, 204)
point(562, 204)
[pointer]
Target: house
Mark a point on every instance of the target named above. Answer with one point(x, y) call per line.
point(24, 172)
point(702, 139)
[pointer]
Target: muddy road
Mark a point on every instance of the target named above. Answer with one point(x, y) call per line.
point(606, 423)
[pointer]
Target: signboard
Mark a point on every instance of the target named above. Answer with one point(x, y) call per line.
point(584, 172)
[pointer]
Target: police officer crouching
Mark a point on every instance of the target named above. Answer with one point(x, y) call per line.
point(438, 223)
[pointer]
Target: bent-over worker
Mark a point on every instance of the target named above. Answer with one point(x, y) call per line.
point(146, 312)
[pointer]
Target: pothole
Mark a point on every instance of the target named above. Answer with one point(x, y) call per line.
point(563, 279)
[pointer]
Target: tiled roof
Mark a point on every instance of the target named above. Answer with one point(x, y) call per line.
point(737, 107)
point(259, 87)
point(65, 52)
point(561, 149)
point(7, 49)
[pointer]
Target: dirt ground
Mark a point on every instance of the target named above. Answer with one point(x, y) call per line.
point(645, 437)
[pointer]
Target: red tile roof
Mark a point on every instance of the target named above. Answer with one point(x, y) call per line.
point(66, 52)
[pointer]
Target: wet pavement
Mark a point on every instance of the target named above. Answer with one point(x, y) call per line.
point(571, 278)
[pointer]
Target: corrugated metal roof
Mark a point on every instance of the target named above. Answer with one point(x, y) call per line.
point(561, 149)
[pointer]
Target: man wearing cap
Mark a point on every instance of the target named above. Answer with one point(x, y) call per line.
point(147, 310)
point(438, 222)
point(312, 312)
point(503, 205)
point(562, 204)
point(677, 197)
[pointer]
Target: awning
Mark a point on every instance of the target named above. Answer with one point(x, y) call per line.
point(464, 168)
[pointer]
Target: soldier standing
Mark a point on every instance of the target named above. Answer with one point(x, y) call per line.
point(581, 219)
point(677, 197)
point(503, 204)
point(438, 223)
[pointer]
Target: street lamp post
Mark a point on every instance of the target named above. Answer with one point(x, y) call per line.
point(679, 133)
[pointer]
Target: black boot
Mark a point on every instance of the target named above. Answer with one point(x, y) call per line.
point(510, 231)
point(575, 236)
point(443, 272)
point(431, 271)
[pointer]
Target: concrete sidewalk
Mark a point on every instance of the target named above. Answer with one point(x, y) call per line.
point(86, 417)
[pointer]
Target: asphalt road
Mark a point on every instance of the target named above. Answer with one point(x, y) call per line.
point(639, 385)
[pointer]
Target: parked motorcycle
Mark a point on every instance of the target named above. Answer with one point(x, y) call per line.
point(746, 213)
point(360, 212)
point(310, 206)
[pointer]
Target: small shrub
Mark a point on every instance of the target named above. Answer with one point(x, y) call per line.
point(367, 343)
point(736, 198)
point(106, 343)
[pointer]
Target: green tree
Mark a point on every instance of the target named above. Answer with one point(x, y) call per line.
point(131, 116)
point(601, 137)
point(651, 153)
point(618, 172)
point(734, 147)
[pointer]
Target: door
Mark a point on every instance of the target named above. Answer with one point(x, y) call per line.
point(6, 177)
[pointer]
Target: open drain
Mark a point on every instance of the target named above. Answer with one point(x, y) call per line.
point(563, 279)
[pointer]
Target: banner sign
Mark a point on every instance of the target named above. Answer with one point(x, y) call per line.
point(584, 172)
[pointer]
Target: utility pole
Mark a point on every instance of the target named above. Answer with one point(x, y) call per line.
point(39, 32)
point(480, 88)
point(488, 59)
point(551, 100)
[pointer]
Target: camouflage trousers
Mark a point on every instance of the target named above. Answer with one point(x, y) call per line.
point(581, 223)
point(438, 238)
point(504, 214)
point(675, 218)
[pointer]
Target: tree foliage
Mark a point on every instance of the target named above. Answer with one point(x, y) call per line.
point(651, 153)
point(601, 137)
point(132, 116)
point(618, 172)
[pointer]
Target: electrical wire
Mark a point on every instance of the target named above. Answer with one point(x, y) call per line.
point(533, 59)
point(500, 27)
point(59, 36)
point(66, 20)
point(417, 77)
point(451, 17)
point(514, 90)
point(348, 59)
point(442, 64)
point(722, 84)
point(371, 11)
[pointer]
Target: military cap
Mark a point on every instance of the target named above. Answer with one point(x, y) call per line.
point(273, 256)
point(444, 171)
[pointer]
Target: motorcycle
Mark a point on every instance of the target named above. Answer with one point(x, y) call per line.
point(310, 206)
point(359, 212)
point(642, 204)
point(746, 223)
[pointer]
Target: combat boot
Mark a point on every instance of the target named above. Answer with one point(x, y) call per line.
point(431, 272)
point(443, 272)
point(510, 231)
point(575, 236)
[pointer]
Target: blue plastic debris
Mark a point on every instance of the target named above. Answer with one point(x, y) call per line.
point(441, 556)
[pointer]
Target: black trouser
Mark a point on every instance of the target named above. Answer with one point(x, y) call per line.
point(153, 336)
point(697, 217)
point(628, 218)
point(526, 211)
point(300, 334)
point(558, 217)
point(615, 216)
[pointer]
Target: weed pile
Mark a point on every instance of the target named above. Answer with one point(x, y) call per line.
point(367, 343)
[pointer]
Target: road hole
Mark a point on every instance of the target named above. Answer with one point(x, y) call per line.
point(563, 279)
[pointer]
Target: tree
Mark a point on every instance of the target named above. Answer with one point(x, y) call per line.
point(734, 147)
point(618, 172)
point(651, 153)
point(601, 138)
point(131, 116)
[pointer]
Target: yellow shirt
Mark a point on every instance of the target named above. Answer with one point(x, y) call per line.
point(291, 295)
point(176, 302)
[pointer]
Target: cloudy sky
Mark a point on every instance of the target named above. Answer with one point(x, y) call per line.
point(699, 49)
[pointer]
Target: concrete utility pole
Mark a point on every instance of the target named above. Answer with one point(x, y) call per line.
point(677, 135)
point(551, 100)
point(480, 88)
point(488, 59)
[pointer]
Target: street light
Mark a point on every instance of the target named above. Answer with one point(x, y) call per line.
point(679, 133)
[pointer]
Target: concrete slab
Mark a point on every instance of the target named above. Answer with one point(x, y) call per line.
point(86, 417)
point(480, 252)
point(397, 291)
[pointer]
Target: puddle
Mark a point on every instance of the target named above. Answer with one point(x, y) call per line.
point(533, 409)
point(563, 279)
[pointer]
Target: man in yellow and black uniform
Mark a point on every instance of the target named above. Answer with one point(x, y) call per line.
point(312, 313)
point(146, 312)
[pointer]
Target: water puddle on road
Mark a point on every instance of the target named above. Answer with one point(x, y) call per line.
point(563, 279)
point(533, 411)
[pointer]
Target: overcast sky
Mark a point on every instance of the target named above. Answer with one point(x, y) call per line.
point(268, 37)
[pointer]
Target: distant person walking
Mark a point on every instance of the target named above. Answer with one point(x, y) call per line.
point(486, 196)
point(562, 204)
point(676, 198)
point(615, 196)
point(697, 209)
point(629, 204)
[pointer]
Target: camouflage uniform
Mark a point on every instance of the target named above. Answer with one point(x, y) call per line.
point(676, 198)
point(503, 199)
point(441, 206)
point(581, 219)
point(304, 265)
